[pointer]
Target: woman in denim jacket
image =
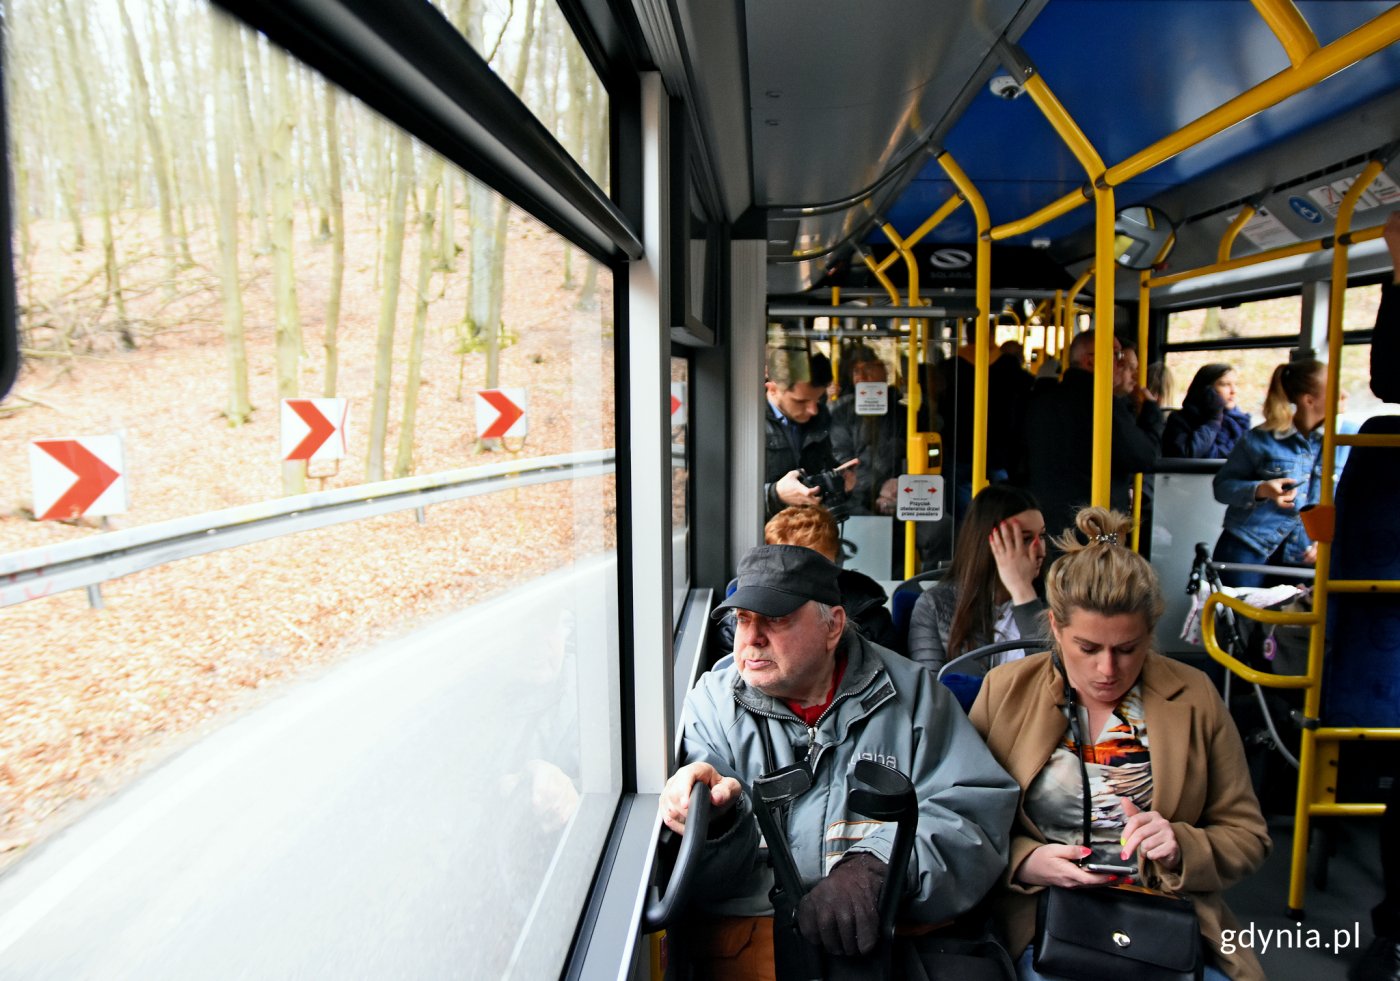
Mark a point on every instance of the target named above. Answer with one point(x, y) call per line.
point(1273, 472)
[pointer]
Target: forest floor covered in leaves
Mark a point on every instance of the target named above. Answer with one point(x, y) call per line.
point(90, 698)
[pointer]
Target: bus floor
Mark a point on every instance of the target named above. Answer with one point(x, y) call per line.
point(1337, 921)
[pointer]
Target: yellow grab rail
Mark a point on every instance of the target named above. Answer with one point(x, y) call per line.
point(1227, 241)
point(1289, 27)
point(1375, 35)
point(1221, 656)
point(982, 333)
point(1104, 216)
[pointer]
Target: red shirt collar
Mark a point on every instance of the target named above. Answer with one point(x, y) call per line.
point(810, 714)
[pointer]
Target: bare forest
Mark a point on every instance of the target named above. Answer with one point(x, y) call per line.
point(203, 227)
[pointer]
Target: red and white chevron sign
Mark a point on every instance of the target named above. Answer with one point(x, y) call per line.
point(502, 412)
point(314, 429)
point(77, 476)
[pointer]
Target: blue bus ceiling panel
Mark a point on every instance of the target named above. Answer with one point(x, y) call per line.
point(1131, 73)
point(838, 91)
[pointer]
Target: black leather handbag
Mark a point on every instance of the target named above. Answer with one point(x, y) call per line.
point(1108, 933)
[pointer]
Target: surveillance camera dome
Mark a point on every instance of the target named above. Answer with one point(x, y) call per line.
point(1005, 87)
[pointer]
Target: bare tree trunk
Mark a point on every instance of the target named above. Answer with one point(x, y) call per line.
point(289, 346)
point(388, 310)
point(159, 160)
point(447, 251)
point(253, 109)
point(403, 465)
point(575, 130)
point(337, 219)
point(98, 155)
point(225, 39)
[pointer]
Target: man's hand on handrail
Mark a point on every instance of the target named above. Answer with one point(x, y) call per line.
point(675, 796)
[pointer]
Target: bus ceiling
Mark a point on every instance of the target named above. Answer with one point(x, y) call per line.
point(842, 109)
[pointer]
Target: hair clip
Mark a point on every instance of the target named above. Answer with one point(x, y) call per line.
point(1111, 538)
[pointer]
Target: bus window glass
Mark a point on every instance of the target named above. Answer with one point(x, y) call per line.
point(680, 483)
point(1279, 317)
point(355, 413)
point(532, 49)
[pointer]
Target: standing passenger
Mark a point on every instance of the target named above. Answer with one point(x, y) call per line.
point(798, 430)
point(1060, 441)
point(1272, 472)
point(876, 440)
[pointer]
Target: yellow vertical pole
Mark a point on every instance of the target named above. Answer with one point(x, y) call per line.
point(835, 341)
point(1312, 698)
point(1089, 159)
point(982, 336)
point(1144, 297)
point(918, 461)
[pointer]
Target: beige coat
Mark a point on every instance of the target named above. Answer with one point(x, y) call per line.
point(1215, 815)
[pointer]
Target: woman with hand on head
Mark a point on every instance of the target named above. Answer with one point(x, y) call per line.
point(1165, 767)
point(1209, 422)
point(1272, 473)
point(989, 594)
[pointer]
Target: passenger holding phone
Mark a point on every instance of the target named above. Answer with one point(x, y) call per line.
point(1272, 473)
point(1168, 785)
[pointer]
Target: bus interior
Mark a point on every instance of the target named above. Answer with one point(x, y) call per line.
point(465, 785)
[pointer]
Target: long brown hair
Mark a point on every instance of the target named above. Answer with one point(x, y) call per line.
point(1102, 575)
point(974, 571)
point(1290, 382)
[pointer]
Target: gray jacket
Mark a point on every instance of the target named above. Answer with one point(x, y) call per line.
point(886, 709)
point(933, 618)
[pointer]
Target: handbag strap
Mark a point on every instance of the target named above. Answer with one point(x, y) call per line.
point(1078, 737)
point(770, 764)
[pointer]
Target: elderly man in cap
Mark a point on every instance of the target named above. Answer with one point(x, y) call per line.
point(800, 685)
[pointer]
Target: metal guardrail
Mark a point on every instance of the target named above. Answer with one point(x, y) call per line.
point(38, 572)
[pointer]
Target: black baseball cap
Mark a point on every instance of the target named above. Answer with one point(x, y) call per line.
point(774, 580)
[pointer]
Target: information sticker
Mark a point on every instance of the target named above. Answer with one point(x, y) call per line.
point(920, 497)
point(872, 398)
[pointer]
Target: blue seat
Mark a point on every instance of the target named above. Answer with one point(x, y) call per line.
point(966, 686)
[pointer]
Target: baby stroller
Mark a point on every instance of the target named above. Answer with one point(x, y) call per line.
point(1271, 748)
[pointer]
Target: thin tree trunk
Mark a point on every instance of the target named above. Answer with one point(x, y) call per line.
point(289, 347)
point(253, 109)
point(159, 160)
point(225, 39)
point(403, 466)
point(98, 155)
point(388, 310)
point(337, 224)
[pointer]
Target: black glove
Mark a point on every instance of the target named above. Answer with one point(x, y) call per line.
point(842, 912)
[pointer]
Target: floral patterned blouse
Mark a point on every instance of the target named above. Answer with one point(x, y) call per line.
point(1119, 765)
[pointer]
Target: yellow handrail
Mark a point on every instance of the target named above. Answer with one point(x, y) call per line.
point(1227, 241)
point(918, 462)
point(1289, 27)
point(1269, 255)
point(1375, 35)
point(1221, 656)
point(1101, 472)
point(982, 333)
point(1144, 306)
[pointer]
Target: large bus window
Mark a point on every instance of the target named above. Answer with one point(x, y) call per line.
point(301, 348)
point(1277, 318)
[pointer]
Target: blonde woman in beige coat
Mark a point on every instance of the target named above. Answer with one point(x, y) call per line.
point(1170, 789)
